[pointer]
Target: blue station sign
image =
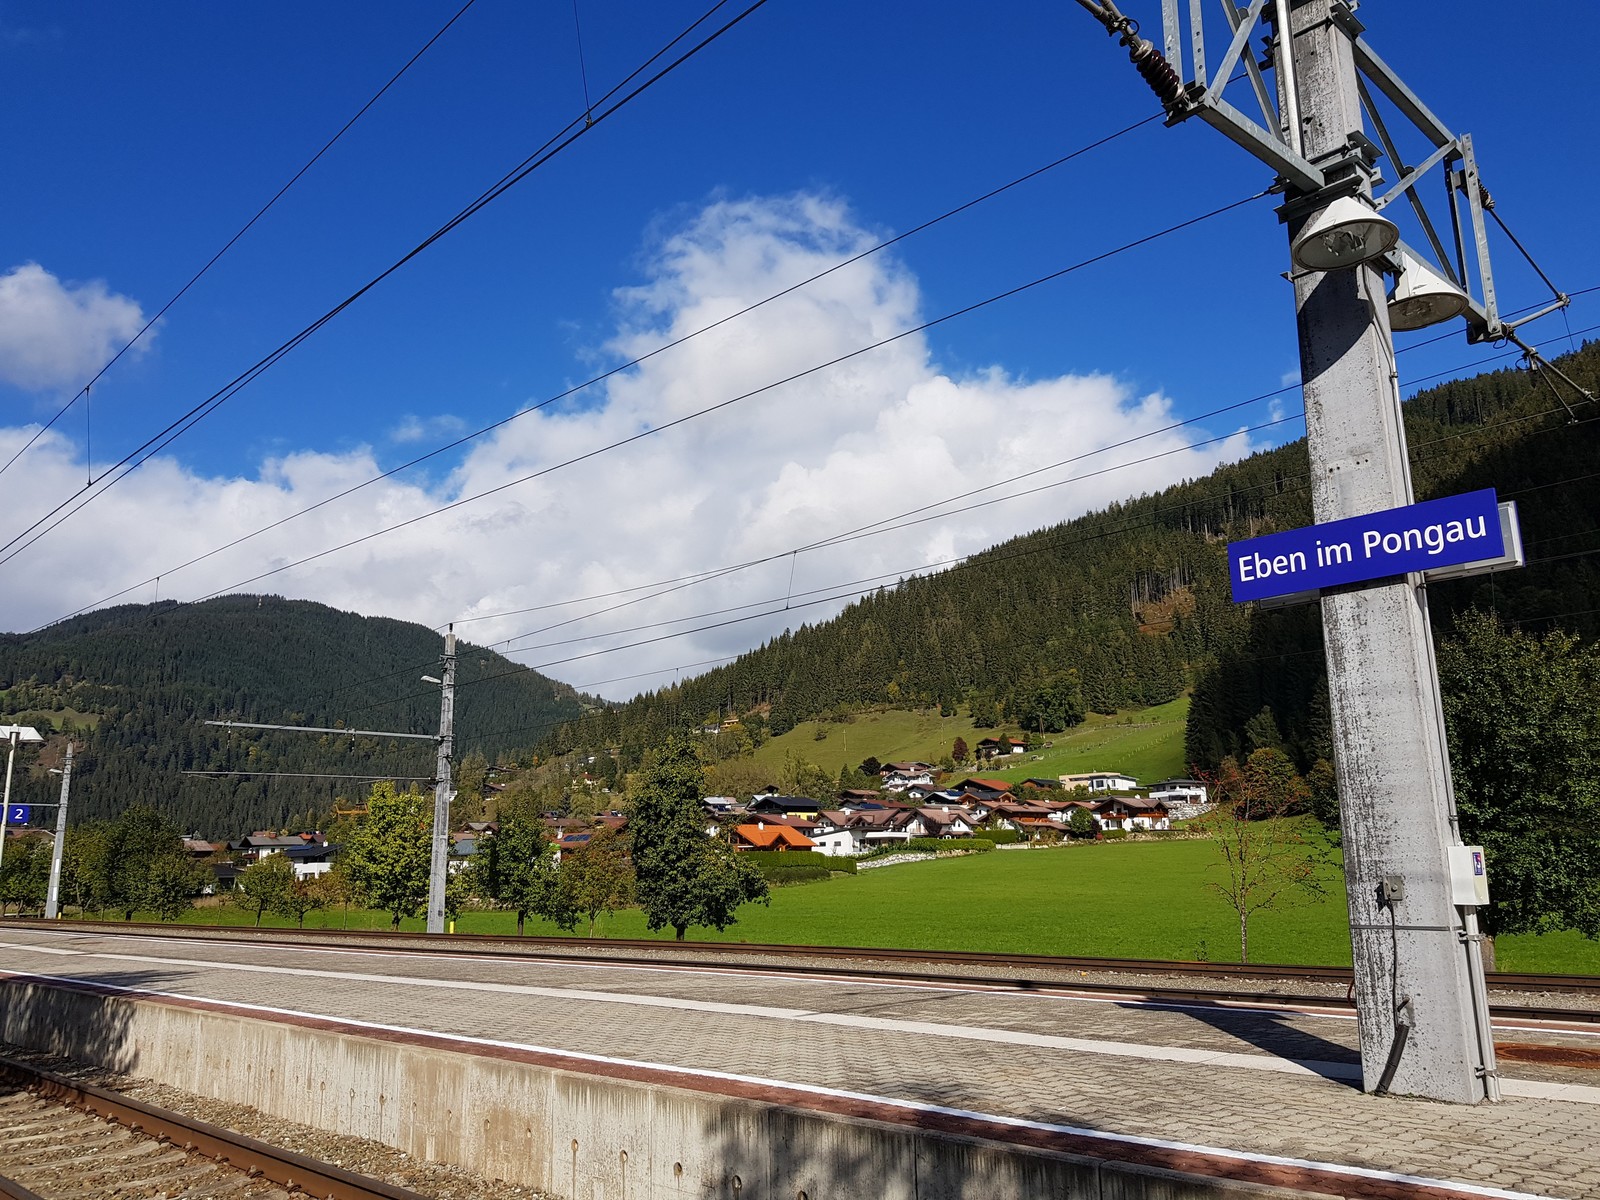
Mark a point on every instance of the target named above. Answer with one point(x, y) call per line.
point(1418, 537)
point(18, 814)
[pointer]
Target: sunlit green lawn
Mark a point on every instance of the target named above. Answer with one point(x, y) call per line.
point(1114, 900)
point(1147, 743)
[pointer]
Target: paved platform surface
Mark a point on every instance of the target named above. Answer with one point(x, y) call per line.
point(1280, 1083)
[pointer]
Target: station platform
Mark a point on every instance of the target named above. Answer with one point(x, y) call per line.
point(1174, 1099)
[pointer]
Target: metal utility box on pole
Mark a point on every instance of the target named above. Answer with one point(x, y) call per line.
point(52, 899)
point(443, 793)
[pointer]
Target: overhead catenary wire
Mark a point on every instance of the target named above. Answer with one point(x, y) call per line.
point(912, 516)
point(630, 364)
point(985, 559)
point(561, 141)
point(677, 584)
point(83, 392)
point(665, 426)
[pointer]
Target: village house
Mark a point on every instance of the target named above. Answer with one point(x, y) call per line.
point(1132, 812)
point(1184, 798)
point(897, 777)
point(767, 836)
point(943, 821)
point(999, 747)
point(786, 806)
point(1101, 781)
point(833, 835)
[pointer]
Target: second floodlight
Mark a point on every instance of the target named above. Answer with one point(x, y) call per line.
point(1422, 297)
point(1347, 233)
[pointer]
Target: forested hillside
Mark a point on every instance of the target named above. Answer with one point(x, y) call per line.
point(1132, 604)
point(135, 684)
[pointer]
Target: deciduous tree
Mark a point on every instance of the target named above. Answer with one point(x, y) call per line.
point(171, 883)
point(388, 854)
point(517, 869)
point(261, 886)
point(684, 877)
point(1523, 716)
point(1269, 859)
point(598, 877)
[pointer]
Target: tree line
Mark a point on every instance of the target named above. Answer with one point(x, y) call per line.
point(667, 862)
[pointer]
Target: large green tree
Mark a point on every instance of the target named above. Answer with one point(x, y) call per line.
point(1523, 715)
point(262, 885)
point(684, 877)
point(516, 868)
point(119, 859)
point(598, 877)
point(25, 874)
point(387, 855)
point(171, 884)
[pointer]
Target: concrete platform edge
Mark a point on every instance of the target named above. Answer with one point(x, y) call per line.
point(595, 1135)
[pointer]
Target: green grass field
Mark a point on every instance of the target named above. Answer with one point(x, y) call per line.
point(1147, 744)
point(1111, 899)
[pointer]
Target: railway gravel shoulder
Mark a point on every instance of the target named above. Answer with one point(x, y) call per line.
point(436, 1181)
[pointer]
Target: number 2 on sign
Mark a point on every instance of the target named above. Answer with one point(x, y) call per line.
point(18, 814)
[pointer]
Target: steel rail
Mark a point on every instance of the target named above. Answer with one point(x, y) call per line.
point(13, 1190)
point(604, 949)
point(286, 1167)
point(1037, 972)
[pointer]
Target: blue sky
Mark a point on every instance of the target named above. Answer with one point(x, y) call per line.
point(140, 136)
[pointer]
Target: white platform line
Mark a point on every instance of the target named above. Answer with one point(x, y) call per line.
point(1244, 1156)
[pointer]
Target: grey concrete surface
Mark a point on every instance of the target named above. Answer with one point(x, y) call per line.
point(905, 1044)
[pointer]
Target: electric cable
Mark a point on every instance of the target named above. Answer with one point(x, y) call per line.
point(723, 404)
point(199, 412)
point(1450, 333)
point(880, 527)
point(631, 363)
point(984, 559)
point(83, 392)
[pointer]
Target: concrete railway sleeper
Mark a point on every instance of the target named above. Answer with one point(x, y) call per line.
point(66, 1140)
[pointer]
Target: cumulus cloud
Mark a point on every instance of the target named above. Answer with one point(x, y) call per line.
point(57, 335)
point(413, 428)
point(833, 450)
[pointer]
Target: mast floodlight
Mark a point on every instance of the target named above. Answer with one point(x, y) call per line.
point(1346, 234)
point(1422, 297)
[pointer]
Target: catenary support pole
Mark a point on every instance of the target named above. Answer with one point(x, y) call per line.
point(443, 794)
point(1413, 963)
point(52, 899)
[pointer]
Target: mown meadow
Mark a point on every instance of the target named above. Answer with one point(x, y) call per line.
point(1133, 899)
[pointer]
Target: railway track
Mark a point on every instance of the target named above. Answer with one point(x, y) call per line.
point(69, 1139)
point(1180, 982)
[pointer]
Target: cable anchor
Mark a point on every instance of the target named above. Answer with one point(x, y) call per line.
point(1151, 64)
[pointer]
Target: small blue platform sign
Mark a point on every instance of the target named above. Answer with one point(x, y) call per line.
point(18, 814)
point(1435, 533)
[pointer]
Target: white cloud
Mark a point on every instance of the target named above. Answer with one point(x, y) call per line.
point(880, 434)
point(413, 428)
point(55, 335)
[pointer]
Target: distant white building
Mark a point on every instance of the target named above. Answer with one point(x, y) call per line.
point(1101, 781)
point(1184, 798)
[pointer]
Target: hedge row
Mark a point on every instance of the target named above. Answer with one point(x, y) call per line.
point(795, 866)
point(935, 846)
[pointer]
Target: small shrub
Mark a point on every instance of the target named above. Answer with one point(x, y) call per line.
point(946, 845)
point(1002, 837)
point(786, 866)
point(1114, 835)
